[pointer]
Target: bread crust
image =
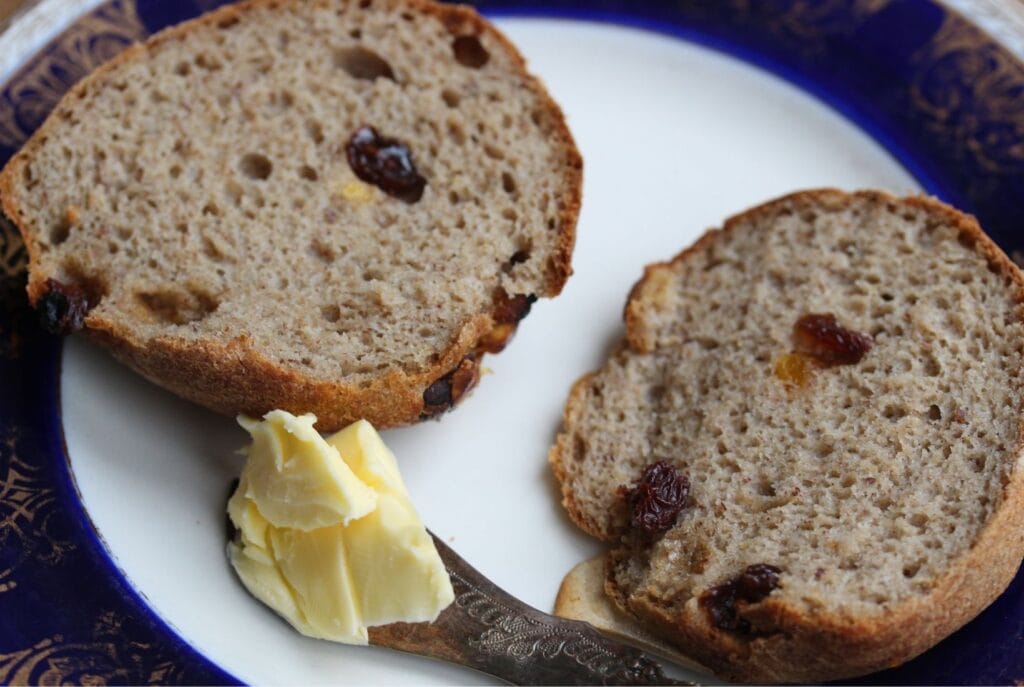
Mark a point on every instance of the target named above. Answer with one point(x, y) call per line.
point(238, 378)
point(797, 646)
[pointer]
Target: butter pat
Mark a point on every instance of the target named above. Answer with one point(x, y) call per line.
point(328, 536)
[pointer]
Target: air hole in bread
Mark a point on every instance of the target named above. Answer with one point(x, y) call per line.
point(322, 251)
point(175, 171)
point(510, 214)
point(508, 183)
point(183, 69)
point(493, 152)
point(934, 413)
point(208, 62)
point(967, 239)
point(315, 132)
point(894, 412)
point(256, 166)
point(234, 191)
point(470, 52)
point(283, 100)
point(451, 98)
point(211, 209)
point(456, 132)
point(362, 63)
point(174, 306)
point(365, 4)
point(212, 250)
point(60, 232)
point(308, 173)
point(227, 22)
point(911, 569)
point(519, 257)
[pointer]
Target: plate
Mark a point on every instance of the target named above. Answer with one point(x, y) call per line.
point(112, 564)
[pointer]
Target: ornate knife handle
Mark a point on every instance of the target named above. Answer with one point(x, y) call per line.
point(488, 629)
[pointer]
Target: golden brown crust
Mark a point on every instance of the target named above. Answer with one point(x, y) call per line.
point(581, 596)
point(797, 646)
point(561, 452)
point(236, 378)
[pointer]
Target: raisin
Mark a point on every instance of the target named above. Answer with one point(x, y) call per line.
point(822, 337)
point(752, 585)
point(386, 163)
point(63, 307)
point(439, 393)
point(511, 309)
point(448, 390)
point(757, 582)
point(508, 311)
point(657, 498)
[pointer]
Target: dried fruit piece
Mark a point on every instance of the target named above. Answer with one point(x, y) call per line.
point(657, 498)
point(62, 308)
point(448, 390)
point(752, 585)
point(508, 312)
point(821, 336)
point(794, 369)
point(386, 163)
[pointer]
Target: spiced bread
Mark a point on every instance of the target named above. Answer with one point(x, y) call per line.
point(327, 206)
point(806, 453)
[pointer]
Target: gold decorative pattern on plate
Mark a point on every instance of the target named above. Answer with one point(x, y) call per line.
point(38, 86)
point(12, 251)
point(106, 660)
point(964, 82)
point(26, 506)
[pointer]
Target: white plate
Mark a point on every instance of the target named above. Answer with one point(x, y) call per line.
point(675, 138)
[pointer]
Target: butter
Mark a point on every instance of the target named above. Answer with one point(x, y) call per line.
point(328, 535)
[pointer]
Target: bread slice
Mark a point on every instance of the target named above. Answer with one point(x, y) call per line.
point(581, 596)
point(886, 494)
point(229, 207)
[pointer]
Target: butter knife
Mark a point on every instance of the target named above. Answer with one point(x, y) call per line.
point(488, 629)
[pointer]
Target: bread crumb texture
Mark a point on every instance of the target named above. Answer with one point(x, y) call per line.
point(866, 484)
point(199, 187)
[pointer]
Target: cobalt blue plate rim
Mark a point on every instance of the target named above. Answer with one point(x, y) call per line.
point(944, 98)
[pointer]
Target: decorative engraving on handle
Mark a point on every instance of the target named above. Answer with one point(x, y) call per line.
point(523, 638)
